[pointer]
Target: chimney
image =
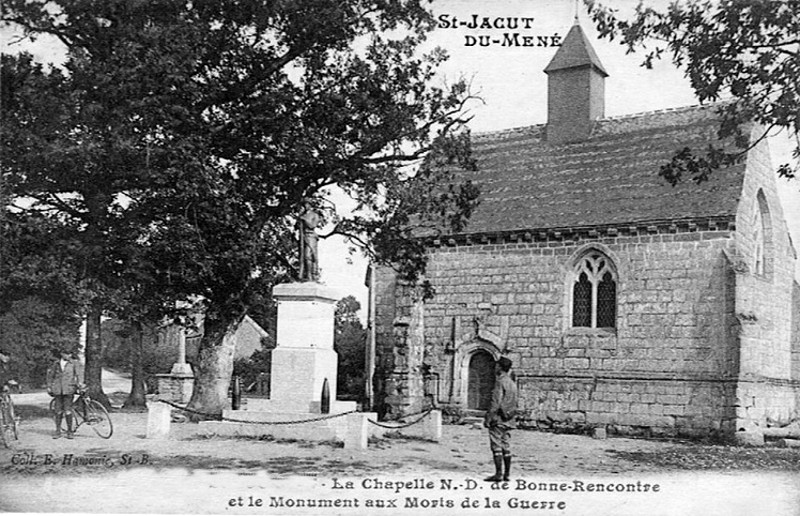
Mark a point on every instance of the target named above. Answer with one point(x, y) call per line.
point(575, 89)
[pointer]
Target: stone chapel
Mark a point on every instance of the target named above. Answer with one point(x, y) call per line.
point(622, 301)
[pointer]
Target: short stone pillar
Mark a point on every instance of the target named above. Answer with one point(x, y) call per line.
point(159, 418)
point(356, 436)
point(432, 424)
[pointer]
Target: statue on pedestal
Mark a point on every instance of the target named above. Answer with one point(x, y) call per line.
point(308, 238)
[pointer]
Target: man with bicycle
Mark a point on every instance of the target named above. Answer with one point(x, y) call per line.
point(63, 382)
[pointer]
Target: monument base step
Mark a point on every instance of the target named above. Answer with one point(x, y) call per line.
point(284, 405)
point(302, 426)
point(304, 432)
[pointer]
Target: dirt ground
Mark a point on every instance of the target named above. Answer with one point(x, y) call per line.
point(189, 473)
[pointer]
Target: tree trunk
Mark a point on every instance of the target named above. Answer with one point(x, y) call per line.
point(136, 399)
point(213, 370)
point(94, 356)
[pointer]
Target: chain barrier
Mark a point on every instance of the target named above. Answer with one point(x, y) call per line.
point(218, 417)
point(422, 414)
point(297, 422)
point(406, 425)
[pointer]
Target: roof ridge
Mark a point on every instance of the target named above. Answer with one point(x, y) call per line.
point(663, 111)
point(628, 116)
point(510, 130)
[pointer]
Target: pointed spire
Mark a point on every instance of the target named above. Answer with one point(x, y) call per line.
point(576, 51)
point(575, 89)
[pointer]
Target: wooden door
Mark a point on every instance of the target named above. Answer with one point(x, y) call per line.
point(480, 381)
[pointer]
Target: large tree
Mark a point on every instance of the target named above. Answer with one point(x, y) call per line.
point(743, 52)
point(182, 140)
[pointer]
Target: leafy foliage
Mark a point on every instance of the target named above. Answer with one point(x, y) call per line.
point(745, 53)
point(30, 329)
point(349, 341)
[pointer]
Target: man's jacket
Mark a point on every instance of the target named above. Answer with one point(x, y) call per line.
point(503, 408)
point(63, 381)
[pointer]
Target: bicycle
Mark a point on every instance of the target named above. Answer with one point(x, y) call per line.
point(8, 419)
point(90, 412)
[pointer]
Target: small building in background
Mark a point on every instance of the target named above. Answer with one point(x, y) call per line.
point(249, 336)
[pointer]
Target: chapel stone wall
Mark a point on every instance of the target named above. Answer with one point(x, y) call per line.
point(668, 367)
point(768, 387)
point(796, 342)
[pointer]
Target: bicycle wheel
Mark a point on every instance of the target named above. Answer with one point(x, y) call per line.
point(97, 418)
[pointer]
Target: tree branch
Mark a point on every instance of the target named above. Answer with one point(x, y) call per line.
point(67, 39)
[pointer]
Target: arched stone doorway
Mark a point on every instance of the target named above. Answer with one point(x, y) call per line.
point(480, 380)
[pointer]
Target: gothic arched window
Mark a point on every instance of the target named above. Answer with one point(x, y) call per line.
point(594, 292)
point(758, 243)
point(762, 236)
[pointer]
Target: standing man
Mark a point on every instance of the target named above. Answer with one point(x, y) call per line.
point(501, 418)
point(63, 381)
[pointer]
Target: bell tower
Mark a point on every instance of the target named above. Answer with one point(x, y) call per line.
point(575, 89)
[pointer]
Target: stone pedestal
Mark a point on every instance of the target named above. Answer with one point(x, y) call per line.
point(298, 376)
point(175, 387)
point(304, 357)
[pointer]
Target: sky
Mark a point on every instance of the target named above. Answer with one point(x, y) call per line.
point(513, 88)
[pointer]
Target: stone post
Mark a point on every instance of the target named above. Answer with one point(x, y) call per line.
point(357, 431)
point(433, 425)
point(159, 417)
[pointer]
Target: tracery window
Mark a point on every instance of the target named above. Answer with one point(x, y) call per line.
point(594, 292)
point(758, 241)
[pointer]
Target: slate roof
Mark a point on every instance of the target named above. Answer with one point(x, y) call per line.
point(576, 51)
point(610, 179)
